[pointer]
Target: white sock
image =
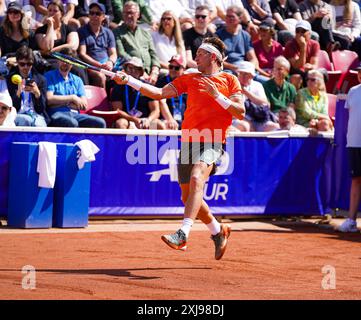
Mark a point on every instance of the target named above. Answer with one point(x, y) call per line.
point(214, 227)
point(187, 225)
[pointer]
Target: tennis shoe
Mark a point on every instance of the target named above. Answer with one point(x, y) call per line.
point(220, 241)
point(177, 240)
point(348, 225)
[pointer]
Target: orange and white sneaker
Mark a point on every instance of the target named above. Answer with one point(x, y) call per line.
point(177, 240)
point(220, 240)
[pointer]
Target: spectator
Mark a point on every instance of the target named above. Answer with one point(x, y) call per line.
point(191, 6)
point(145, 15)
point(168, 40)
point(28, 96)
point(238, 42)
point(14, 32)
point(346, 23)
point(97, 45)
point(132, 41)
point(172, 110)
point(66, 97)
point(286, 13)
point(280, 93)
point(82, 12)
point(312, 103)
point(135, 110)
point(287, 121)
point(354, 155)
point(258, 115)
point(7, 112)
point(259, 10)
point(302, 52)
point(267, 49)
point(318, 14)
point(42, 8)
point(222, 6)
point(55, 35)
point(194, 36)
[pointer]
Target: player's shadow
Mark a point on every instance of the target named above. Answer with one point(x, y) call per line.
point(304, 227)
point(128, 273)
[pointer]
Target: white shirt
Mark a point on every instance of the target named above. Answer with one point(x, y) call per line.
point(354, 119)
point(164, 47)
point(256, 88)
point(337, 11)
point(191, 5)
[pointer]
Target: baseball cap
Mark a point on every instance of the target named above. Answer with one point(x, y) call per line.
point(247, 67)
point(15, 6)
point(267, 24)
point(358, 68)
point(178, 59)
point(305, 25)
point(135, 61)
point(99, 5)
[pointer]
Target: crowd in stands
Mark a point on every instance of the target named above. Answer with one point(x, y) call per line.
point(272, 47)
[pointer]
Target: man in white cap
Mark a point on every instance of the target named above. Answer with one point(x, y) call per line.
point(354, 154)
point(7, 112)
point(255, 97)
point(302, 52)
point(213, 98)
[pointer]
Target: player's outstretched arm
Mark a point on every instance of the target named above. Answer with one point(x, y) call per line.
point(233, 105)
point(145, 88)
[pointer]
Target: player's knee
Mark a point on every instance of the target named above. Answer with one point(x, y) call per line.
point(196, 181)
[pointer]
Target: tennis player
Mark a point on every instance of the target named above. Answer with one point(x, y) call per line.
point(214, 97)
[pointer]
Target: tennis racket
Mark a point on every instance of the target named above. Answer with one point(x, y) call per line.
point(80, 64)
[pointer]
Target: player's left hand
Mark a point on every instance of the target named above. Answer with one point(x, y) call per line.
point(208, 86)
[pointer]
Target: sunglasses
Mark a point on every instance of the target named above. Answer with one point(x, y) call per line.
point(199, 16)
point(166, 19)
point(300, 30)
point(4, 108)
point(312, 79)
point(23, 64)
point(176, 68)
point(95, 13)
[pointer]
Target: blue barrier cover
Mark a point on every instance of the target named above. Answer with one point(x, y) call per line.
point(258, 175)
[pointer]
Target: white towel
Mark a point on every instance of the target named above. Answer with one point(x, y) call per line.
point(46, 164)
point(88, 150)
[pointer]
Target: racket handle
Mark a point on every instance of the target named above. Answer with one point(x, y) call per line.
point(108, 73)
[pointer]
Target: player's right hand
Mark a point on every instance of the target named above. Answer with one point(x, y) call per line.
point(120, 78)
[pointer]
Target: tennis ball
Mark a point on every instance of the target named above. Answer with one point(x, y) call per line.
point(16, 79)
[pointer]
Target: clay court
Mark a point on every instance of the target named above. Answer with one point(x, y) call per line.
point(127, 260)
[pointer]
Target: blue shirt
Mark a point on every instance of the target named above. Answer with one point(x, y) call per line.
point(237, 46)
point(59, 86)
point(97, 46)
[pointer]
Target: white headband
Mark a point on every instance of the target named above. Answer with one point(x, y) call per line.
point(209, 48)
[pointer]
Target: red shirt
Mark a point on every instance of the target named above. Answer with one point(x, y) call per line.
point(292, 50)
point(204, 116)
point(265, 58)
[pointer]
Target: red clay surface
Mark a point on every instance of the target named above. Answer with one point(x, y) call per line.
point(282, 262)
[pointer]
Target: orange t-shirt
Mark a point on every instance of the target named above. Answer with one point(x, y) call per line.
point(204, 119)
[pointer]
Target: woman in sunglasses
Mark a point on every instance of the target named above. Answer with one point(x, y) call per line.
point(312, 103)
point(168, 40)
point(15, 32)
